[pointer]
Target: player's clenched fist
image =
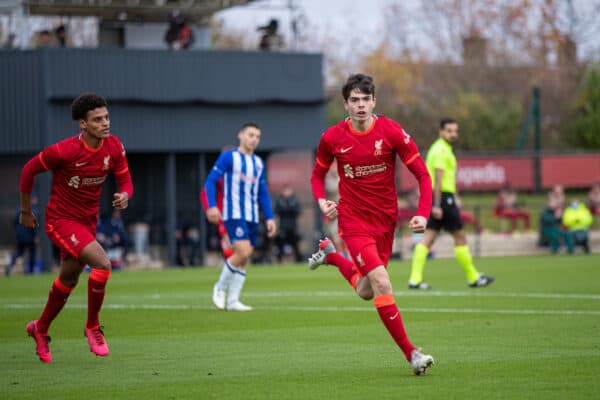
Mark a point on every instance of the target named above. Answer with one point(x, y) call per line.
point(417, 224)
point(120, 200)
point(328, 208)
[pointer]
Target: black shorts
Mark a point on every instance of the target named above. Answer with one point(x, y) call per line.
point(450, 221)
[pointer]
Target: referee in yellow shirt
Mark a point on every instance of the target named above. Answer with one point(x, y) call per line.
point(445, 213)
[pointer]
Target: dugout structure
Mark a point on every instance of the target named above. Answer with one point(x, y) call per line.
point(174, 111)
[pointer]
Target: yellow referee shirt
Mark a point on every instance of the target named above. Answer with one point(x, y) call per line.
point(441, 156)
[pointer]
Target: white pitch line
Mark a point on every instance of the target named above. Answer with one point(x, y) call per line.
point(349, 293)
point(320, 309)
point(433, 293)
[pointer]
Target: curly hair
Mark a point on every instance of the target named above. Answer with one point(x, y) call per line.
point(84, 103)
point(364, 83)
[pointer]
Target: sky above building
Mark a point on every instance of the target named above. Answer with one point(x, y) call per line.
point(353, 23)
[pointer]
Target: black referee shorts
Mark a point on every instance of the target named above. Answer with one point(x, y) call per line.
point(450, 221)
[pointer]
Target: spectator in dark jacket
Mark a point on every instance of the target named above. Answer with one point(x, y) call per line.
point(27, 239)
point(551, 230)
point(111, 234)
point(287, 209)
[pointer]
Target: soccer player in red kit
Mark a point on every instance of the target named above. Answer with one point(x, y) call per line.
point(80, 165)
point(226, 246)
point(365, 147)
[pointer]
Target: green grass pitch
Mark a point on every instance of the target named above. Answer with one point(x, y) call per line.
point(535, 333)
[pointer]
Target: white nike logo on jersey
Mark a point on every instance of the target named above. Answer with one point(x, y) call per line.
point(79, 164)
point(395, 316)
point(346, 149)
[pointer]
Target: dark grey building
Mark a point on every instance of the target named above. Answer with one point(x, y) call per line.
point(174, 111)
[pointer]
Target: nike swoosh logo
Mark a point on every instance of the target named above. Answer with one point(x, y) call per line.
point(395, 316)
point(346, 149)
point(79, 164)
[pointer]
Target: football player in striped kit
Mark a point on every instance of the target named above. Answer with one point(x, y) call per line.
point(244, 191)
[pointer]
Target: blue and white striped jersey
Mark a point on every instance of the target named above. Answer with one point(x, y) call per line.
point(244, 186)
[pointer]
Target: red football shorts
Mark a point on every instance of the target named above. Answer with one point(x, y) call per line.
point(71, 237)
point(370, 249)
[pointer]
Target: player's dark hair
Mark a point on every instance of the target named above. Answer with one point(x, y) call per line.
point(364, 83)
point(84, 103)
point(446, 121)
point(249, 125)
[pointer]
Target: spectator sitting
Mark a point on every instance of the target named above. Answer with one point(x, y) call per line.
point(187, 242)
point(27, 239)
point(557, 197)
point(507, 207)
point(179, 35)
point(407, 208)
point(44, 39)
point(262, 250)
point(578, 219)
point(185, 36)
point(594, 200)
point(468, 218)
point(271, 39)
point(182, 243)
point(287, 208)
point(112, 236)
point(551, 230)
point(61, 35)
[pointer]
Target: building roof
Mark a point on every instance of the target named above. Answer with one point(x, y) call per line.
point(163, 101)
point(130, 10)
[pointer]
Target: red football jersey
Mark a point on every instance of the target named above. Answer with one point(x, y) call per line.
point(204, 196)
point(78, 174)
point(366, 164)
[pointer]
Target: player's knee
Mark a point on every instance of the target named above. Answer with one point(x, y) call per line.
point(103, 264)
point(70, 281)
point(364, 289)
point(366, 295)
point(244, 252)
point(381, 284)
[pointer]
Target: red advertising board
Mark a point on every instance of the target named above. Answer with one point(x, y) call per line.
point(571, 171)
point(474, 173)
point(291, 168)
point(485, 174)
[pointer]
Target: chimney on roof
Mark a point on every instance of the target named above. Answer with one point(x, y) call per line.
point(567, 51)
point(474, 50)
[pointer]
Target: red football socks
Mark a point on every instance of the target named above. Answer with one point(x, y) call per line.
point(345, 266)
point(390, 316)
point(96, 291)
point(59, 294)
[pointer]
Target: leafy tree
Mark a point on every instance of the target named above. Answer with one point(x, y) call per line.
point(587, 122)
point(518, 32)
point(486, 123)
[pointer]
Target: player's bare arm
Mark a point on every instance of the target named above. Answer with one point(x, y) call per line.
point(328, 208)
point(271, 228)
point(26, 217)
point(436, 210)
point(120, 200)
point(213, 215)
point(458, 200)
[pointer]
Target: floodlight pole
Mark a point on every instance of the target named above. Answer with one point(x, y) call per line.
point(538, 139)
